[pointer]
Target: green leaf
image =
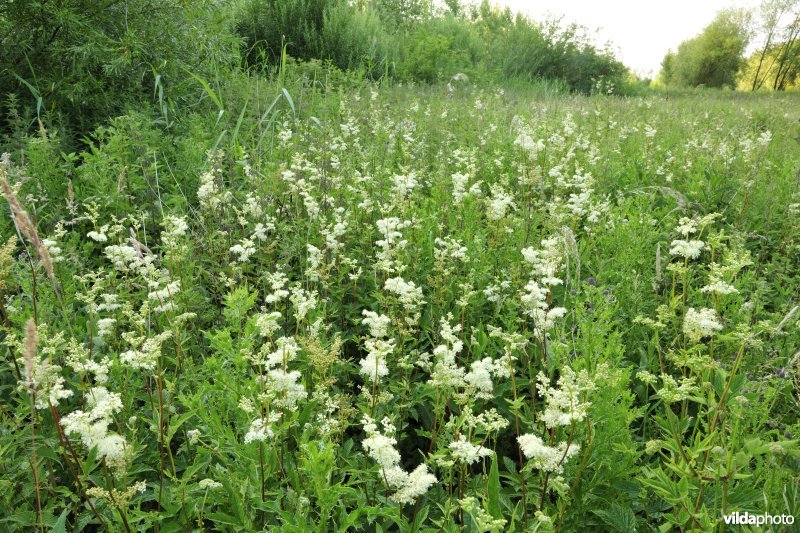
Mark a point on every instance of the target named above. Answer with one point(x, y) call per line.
point(493, 489)
point(208, 89)
point(61, 524)
point(618, 518)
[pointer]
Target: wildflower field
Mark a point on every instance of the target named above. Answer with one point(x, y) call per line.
point(311, 306)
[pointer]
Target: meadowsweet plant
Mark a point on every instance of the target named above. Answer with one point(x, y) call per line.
point(313, 302)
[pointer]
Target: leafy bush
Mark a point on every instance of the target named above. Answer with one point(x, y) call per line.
point(78, 62)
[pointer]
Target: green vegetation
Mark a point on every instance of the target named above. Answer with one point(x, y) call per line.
point(715, 58)
point(324, 283)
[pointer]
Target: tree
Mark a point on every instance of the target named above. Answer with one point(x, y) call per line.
point(713, 58)
point(788, 54)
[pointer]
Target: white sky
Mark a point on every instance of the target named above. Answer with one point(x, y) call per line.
point(641, 30)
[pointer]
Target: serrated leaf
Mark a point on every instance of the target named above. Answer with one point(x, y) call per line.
point(618, 518)
point(493, 488)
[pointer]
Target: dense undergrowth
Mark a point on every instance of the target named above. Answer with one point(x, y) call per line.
point(314, 303)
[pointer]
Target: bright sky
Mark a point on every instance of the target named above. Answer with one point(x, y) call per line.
point(641, 30)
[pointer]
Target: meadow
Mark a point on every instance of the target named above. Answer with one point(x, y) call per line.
point(313, 304)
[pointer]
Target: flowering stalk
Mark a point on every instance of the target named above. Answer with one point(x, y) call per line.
point(519, 446)
point(67, 445)
point(714, 422)
point(31, 339)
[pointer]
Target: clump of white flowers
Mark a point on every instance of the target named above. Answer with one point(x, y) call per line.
point(392, 242)
point(303, 301)
point(546, 458)
point(700, 324)
point(499, 203)
point(718, 286)
point(446, 372)
point(378, 324)
point(285, 388)
point(381, 446)
point(546, 263)
point(267, 323)
point(464, 451)
point(208, 483)
point(566, 402)
point(144, 351)
point(115, 497)
point(42, 378)
point(373, 366)
point(481, 373)
point(409, 295)
point(244, 249)
point(92, 426)
point(174, 228)
point(689, 249)
point(208, 193)
point(259, 431)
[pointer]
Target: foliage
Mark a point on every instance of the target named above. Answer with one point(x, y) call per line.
point(77, 62)
point(357, 306)
point(412, 42)
point(713, 58)
point(390, 277)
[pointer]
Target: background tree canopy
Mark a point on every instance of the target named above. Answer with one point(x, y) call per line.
point(713, 58)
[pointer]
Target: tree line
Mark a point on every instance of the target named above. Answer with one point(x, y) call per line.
point(718, 56)
point(78, 62)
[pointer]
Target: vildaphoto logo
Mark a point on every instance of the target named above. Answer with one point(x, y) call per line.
point(758, 520)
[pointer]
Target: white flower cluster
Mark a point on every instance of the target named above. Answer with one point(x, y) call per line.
point(267, 323)
point(277, 283)
point(481, 372)
point(208, 192)
point(404, 184)
point(446, 372)
point(373, 366)
point(126, 258)
point(144, 352)
point(244, 249)
point(409, 295)
point(92, 426)
point(46, 382)
point(408, 486)
point(285, 388)
point(208, 483)
point(700, 324)
point(546, 264)
point(378, 324)
point(259, 431)
point(303, 301)
point(499, 203)
point(547, 261)
point(546, 458)
point(101, 235)
point(688, 249)
point(525, 141)
point(287, 350)
point(466, 452)
point(174, 229)
point(391, 243)
point(162, 292)
point(565, 403)
point(718, 286)
point(78, 358)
